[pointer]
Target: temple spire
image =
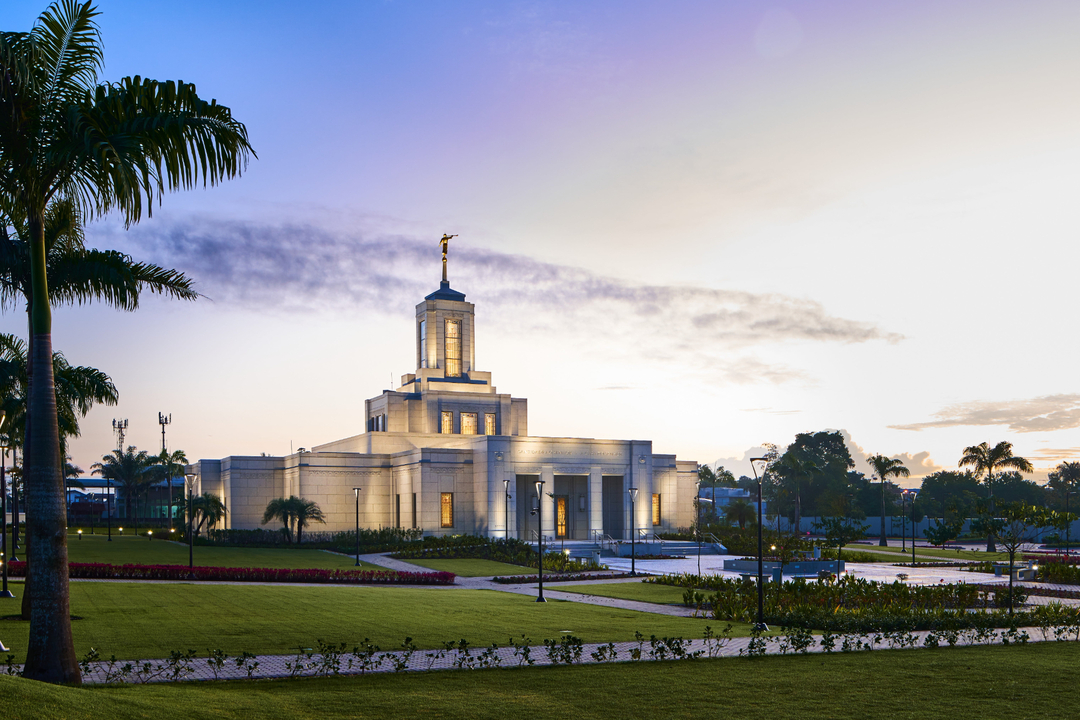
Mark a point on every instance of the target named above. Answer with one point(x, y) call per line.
point(445, 242)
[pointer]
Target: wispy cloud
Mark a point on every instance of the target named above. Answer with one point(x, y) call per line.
point(304, 268)
point(1041, 414)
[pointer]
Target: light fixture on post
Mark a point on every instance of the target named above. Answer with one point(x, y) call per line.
point(903, 521)
point(356, 491)
point(760, 559)
point(4, 593)
point(190, 481)
point(633, 531)
point(540, 538)
point(506, 506)
point(697, 525)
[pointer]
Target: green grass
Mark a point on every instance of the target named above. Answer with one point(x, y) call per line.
point(634, 590)
point(931, 553)
point(472, 568)
point(148, 620)
point(139, 550)
point(1010, 683)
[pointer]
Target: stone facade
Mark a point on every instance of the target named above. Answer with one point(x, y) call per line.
point(447, 453)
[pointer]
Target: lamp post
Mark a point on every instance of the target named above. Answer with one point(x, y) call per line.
point(633, 530)
point(540, 537)
point(1068, 525)
point(903, 520)
point(108, 505)
point(697, 503)
point(190, 478)
point(3, 511)
point(760, 559)
point(356, 491)
point(506, 506)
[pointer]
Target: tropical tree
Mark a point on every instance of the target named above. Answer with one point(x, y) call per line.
point(206, 509)
point(305, 512)
point(984, 460)
point(1018, 525)
point(132, 470)
point(885, 468)
point(794, 469)
point(838, 532)
point(741, 511)
point(1064, 480)
point(943, 533)
point(169, 466)
point(293, 511)
point(116, 146)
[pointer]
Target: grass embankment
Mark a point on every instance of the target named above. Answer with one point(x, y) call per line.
point(138, 550)
point(929, 554)
point(1031, 681)
point(145, 620)
point(471, 568)
point(631, 590)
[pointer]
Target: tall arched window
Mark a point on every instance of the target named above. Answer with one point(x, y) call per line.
point(452, 340)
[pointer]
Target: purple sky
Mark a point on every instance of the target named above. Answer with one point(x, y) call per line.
point(708, 224)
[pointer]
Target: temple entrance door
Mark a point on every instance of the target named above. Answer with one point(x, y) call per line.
point(562, 520)
point(612, 497)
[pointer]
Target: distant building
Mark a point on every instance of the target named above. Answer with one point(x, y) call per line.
point(445, 450)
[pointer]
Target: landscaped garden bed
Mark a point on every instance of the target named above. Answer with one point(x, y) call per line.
point(561, 577)
point(509, 551)
point(104, 571)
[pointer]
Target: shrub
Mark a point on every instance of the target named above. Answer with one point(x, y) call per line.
point(510, 551)
point(103, 571)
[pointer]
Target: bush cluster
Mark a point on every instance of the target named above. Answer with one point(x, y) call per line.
point(371, 541)
point(104, 571)
point(506, 550)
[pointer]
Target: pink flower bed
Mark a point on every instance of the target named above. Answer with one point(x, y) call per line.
point(103, 571)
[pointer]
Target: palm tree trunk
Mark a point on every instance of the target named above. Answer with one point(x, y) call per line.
point(991, 546)
point(798, 510)
point(50, 652)
point(883, 542)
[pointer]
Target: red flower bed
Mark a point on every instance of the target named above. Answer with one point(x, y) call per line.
point(103, 571)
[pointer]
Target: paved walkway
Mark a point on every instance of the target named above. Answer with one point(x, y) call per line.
point(333, 661)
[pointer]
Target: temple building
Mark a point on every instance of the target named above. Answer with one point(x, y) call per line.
point(447, 453)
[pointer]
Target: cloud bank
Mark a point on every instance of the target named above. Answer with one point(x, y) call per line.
point(303, 268)
point(1041, 414)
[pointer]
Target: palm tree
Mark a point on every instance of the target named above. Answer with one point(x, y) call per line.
point(305, 511)
point(116, 146)
point(170, 465)
point(133, 470)
point(984, 460)
point(281, 509)
point(207, 508)
point(292, 511)
point(78, 389)
point(794, 468)
point(1065, 479)
point(741, 511)
point(885, 468)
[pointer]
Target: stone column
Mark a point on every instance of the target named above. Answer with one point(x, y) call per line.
point(596, 501)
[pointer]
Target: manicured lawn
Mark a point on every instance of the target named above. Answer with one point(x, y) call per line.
point(634, 590)
point(148, 620)
point(1010, 683)
point(139, 550)
point(472, 568)
point(931, 553)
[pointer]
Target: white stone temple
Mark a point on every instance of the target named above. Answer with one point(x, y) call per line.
point(447, 453)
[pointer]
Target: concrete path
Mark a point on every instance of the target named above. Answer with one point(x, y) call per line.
point(332, 661)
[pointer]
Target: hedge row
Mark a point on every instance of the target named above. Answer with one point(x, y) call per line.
point(104, 571)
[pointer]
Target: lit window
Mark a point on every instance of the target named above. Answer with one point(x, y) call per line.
point(423, 343)
point(489, 423)
point(447, 422)
point(468, 423)
point(446, 515)
point(656, 509)
point(560, 516)
point(453, 348)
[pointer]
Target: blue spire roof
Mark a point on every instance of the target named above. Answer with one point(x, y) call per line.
point(445, 293)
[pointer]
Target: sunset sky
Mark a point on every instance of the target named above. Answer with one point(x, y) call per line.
point(708, 224)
